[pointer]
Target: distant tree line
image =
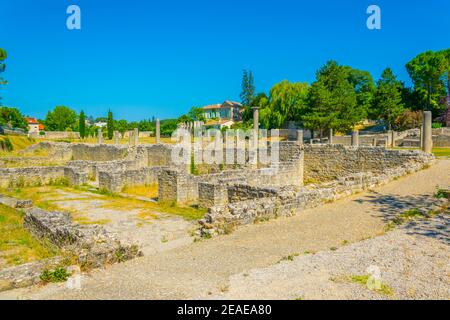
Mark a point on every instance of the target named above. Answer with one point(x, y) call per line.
point(341, 96)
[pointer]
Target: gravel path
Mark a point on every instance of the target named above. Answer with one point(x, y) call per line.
point(245, 264)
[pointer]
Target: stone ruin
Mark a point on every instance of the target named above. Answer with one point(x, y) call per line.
point(306, 176)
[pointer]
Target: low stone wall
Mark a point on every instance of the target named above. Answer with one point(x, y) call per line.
point(441, 141)
point(115, 181)
point(335, 167)
point(14, 162)
point(98, 152)
point(364, 139)
point(55, 135)
point(92, 244)
point(15, 203)
point(35, 176)
point(176, 185)
point(330, 162)
point(249, 205)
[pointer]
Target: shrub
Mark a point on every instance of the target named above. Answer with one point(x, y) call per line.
point(436, 125)
point(5, 144)
point(57, 275)
point(408, 120)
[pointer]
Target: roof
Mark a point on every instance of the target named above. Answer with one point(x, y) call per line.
point(31, 121)
point(226, 104)
point(212, 106)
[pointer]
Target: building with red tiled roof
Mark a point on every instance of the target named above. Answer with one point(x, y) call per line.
point(229, 110)
point(33, 125)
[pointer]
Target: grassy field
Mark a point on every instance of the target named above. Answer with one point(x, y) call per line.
point(438, 152)
point(44, 197)
point(17, 246)
point(18, 143)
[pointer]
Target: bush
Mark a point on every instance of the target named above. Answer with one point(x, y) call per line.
point(408, 120)
point(57, 275)
point(436, 125)
point(5, 144)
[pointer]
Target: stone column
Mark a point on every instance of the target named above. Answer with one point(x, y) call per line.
point(392, 138)
point(158, 131)
point(355, 138)
point(136, 136)
point(255, 133)
point(374, 142)
point(389, 138)
point(255, 119)
point(100, 136)
point(421, 136)
point(130, 137)
point(300, 137)
point(116, 137)
point(330, 136)
point(427, 132)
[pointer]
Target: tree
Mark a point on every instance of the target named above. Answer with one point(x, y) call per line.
point(61, 119)
point(82, 125)
point(388, 97)
point(332, 101)
point(426, 72)
point(196, 114)
point(110, 125)
point(122, 126)
point(3, 57)
point(288, 101)
point(12, 117)
point(248, 88)
point(364, 87)
point(446, 75)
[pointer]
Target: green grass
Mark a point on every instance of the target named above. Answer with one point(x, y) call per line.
point(438, 152)
point(60, 274)
point(289, 257)
point(17, 246)
point(364, 280)
point(441, 152)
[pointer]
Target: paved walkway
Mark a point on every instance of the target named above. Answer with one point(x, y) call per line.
point(204, 269)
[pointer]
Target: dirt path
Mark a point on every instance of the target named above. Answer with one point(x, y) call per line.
point(204, 269)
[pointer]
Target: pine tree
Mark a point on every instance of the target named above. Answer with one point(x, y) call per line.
point(388, 97)
point(248, 88)
point(82, 125)
point(332, 101)
point(110, 125)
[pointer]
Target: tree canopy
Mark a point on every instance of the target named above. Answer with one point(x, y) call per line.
point(426, 71)
point(61, 119)
point(3, 57)
point(248, 88)
point(388, 101)
point(12, 117)
point(332, 100)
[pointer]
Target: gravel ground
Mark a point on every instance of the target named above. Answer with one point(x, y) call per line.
point(409, 265)
point(413, 261)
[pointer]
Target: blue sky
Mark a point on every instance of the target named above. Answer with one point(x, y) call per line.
point(158, 58)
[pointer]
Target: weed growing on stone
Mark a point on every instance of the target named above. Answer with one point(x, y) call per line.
point(364, 280)
point(58, 275)
point(289, 257)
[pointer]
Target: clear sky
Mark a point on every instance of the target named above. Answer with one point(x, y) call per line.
point(158, 58)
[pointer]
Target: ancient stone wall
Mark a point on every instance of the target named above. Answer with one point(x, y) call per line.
point(95, 152)
point(115, 181)
point(330, 162)
point(176, 185)
point(249, 203)
point(55, 135)
point(35, 176)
